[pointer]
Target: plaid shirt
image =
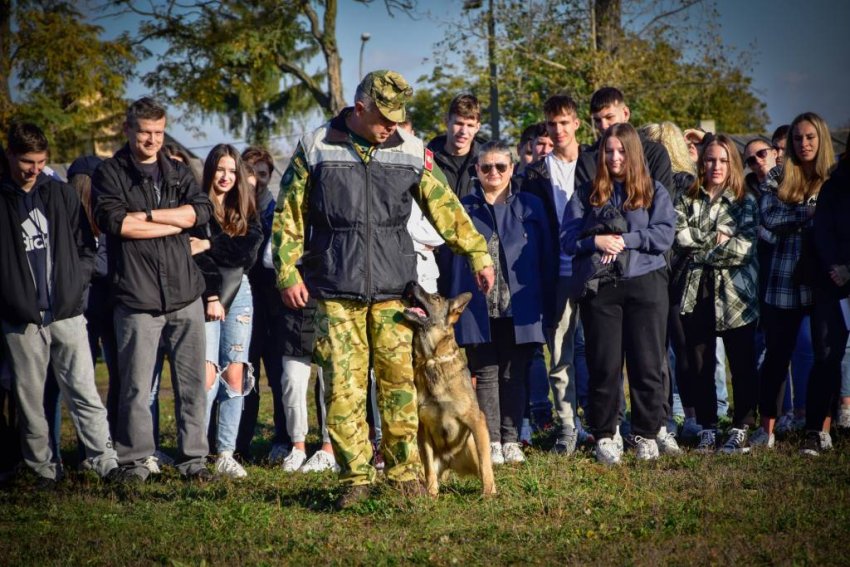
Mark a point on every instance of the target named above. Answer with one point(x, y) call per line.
point(787, 222)
point(733, 264)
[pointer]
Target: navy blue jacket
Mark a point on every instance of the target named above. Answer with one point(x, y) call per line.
point(532, 269)
point(650, 235)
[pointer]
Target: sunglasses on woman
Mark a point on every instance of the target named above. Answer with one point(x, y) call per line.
point(761, 154)
point(488, 167)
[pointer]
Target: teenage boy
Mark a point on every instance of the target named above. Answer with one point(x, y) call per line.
point(456, 150)
point(47, 253)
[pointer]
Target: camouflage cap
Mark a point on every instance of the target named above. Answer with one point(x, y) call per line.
point(390, 91)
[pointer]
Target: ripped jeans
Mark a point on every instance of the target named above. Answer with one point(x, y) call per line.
point(227, 343)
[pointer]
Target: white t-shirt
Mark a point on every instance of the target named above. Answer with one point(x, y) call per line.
point(563, 176)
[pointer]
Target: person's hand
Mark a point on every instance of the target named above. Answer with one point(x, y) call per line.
point(609, 244)
point(295, 296)
point(608, 258)
point(485, 278)
point(215, 310)
point(839, 274)
point(198, 245)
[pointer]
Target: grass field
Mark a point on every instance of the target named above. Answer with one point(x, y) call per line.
point(763, 508)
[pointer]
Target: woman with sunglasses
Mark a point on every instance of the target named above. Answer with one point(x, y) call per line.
point(627, 315)
point(717, 222)
point(789, 198)
point(502, 330)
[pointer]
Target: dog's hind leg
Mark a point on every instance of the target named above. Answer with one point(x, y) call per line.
point(482, 448)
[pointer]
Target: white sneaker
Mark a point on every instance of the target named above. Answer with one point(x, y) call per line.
point(226, 465)
point(163, 459)
point(667, 443)
point(525, 432)
point(645, 449)
point(707, 442)
point(294, 460)
point(618, 440)
point(152, 464)
point(496, 455)
point(844, 417)
point(607, 452)
point(320, 461)
point(512, 453)
point(736, 443)
point(278, 453)
point(691, 429)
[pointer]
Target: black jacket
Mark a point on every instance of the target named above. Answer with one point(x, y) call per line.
point(588, 270)
point(459, 178)
point(832, 229)
point(657, 160)
point(158, 274)
point(72, 252)
point(227, 251)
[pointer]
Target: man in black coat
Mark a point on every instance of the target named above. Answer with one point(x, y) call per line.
point(456, 150)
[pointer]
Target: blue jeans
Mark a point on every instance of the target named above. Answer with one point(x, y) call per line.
point(539, 405)
point(227, 343)
point(720, 380)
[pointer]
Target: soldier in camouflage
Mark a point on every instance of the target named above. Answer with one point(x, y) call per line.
point(342, 211)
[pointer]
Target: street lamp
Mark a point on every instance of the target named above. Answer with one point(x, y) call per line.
point(364, 37)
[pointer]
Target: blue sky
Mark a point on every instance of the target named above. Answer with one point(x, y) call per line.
point(798, 60)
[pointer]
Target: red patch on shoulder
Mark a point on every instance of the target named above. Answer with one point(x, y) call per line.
point(429, 160)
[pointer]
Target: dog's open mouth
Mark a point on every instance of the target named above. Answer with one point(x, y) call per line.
point(416, 310)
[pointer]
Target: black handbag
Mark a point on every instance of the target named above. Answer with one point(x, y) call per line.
point(231, 279)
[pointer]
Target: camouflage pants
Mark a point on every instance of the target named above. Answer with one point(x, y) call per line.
point(348, 335)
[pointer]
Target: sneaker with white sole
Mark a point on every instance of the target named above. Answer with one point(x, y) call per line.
point(320, 461)
point(525, 432)
point(512, 453)
point(816, 442)
point(496, 455)
point(294, 460)
point(566, 442)
point(666, 442)
point(645, 449)
point(608, 452)
point(152, 464)
point(844, 417)
point(618, 440)
point(278, 453)
point(691, 429)
point(707, 442)
point(226, 465)
point(762, 439)
point(736, 443)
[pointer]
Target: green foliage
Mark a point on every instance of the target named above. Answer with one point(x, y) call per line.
point(57, 72)
point(670, 68)
point(225, 59)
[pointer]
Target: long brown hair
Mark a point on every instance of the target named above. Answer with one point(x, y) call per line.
point(239, 205)
point(82, 185)
point(735, 178)
point(637, 182)
point(798, 186)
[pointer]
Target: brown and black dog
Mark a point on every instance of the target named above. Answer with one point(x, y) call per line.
point(452, 429)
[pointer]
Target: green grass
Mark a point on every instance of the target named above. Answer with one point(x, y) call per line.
point(764, 508)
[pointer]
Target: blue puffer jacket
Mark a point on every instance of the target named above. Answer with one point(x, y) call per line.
point(532, 269)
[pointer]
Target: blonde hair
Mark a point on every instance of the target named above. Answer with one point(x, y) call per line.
point(735, 178)
point(670, 136)
point(636, 183)
point(798, 186)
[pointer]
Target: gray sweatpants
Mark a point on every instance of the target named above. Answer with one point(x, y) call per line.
point(63, 345)
point(137, 335)
point(562, 373)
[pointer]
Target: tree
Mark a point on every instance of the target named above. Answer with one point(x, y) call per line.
point(56, 72)
point(254, 63)
point(666, 60)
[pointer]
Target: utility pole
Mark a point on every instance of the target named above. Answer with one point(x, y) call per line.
point(494, 76)
point(364, 37)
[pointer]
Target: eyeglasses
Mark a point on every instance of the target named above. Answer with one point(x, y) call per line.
point(761, 154)
point(488, 167)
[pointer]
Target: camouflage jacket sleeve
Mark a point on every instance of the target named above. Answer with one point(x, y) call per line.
point(443, 209)
point(288, 227)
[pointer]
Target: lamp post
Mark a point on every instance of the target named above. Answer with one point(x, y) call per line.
point(364, 37)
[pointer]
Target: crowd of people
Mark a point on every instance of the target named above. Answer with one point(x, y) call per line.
point(647, 264)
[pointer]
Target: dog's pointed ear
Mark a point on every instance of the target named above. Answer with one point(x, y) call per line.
point(457, 305)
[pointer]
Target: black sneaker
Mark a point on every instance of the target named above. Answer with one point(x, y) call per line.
point(44, 484)
point(816, 442)
point(201, 475)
